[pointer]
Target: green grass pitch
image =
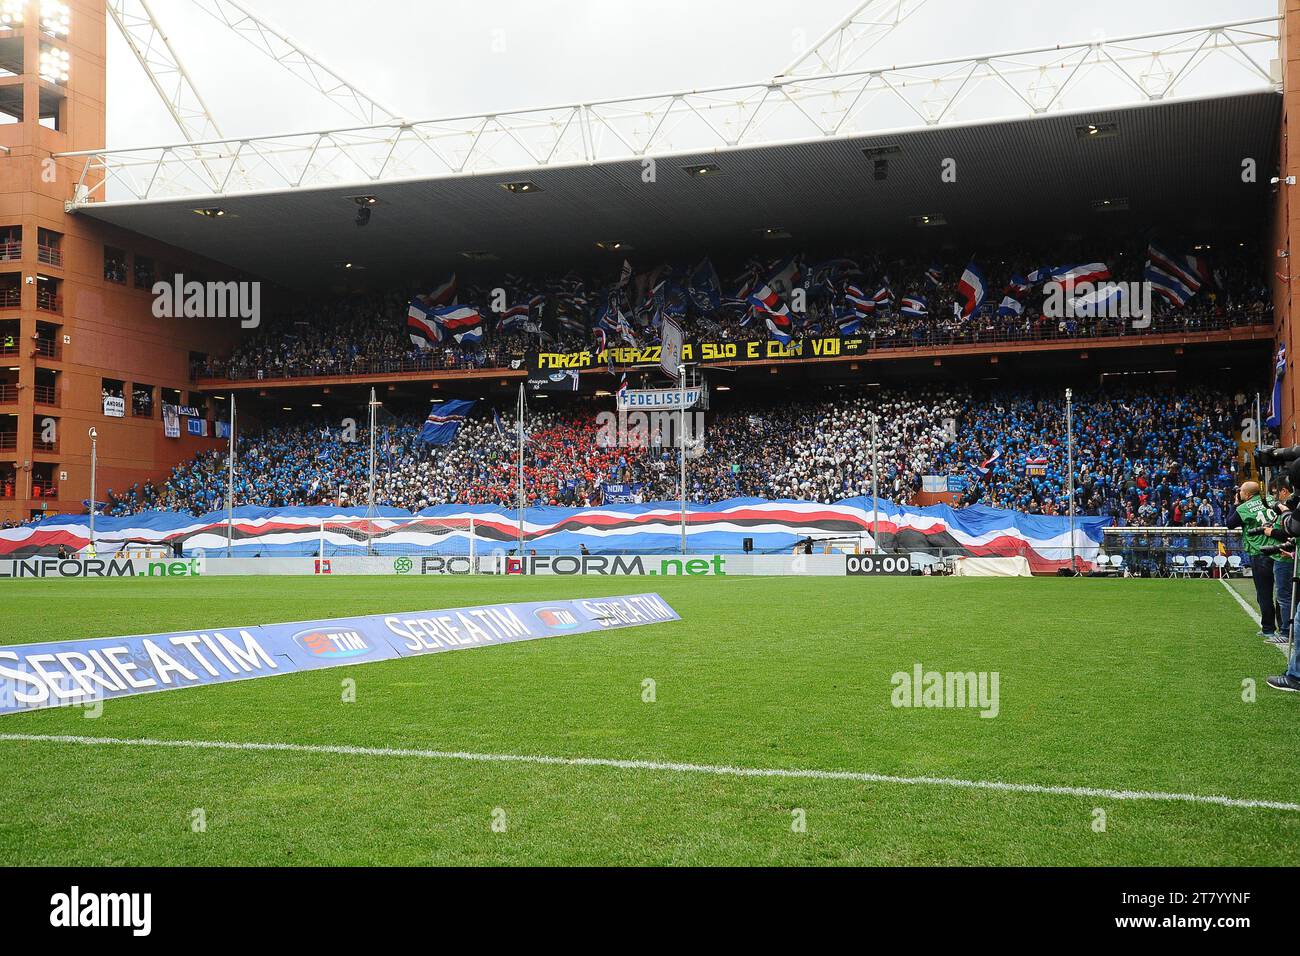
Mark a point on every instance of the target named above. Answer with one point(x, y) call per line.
point(1107, 684)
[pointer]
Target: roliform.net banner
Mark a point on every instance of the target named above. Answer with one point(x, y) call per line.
point(78, 672)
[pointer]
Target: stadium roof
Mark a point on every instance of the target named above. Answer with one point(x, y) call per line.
point(1176, 163)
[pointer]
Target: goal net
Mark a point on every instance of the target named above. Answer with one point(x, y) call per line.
point(399, 536)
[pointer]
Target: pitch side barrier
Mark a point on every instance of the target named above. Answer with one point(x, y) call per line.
point(563, 565)
point(568, 565)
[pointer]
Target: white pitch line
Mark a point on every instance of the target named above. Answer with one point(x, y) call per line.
point(669, 767)
point(1250, 611)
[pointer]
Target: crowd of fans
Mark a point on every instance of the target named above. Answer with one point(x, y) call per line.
point(367, 334)
point(1154, 457)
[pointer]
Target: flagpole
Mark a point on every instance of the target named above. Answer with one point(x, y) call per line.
point(230, 481)
point(681, 369)
point(875, 491)
point(370, 496)
point(1069, 465)
point(519, 422)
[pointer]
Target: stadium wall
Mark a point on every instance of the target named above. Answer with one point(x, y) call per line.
point(1286, 219)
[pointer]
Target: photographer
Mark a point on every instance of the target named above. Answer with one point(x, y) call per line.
point(1253, 513)
point(1283, 563)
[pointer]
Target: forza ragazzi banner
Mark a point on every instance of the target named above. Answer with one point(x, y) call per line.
point(68, 673)
point(543, 364)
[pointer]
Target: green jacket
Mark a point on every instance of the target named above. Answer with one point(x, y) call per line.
point(1256, 514)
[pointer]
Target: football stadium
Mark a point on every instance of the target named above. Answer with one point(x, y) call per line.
point(855, 433)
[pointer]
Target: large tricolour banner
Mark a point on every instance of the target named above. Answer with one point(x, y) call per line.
point(66, 673)
point(651, 528)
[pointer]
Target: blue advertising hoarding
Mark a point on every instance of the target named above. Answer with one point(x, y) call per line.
point(66, 673)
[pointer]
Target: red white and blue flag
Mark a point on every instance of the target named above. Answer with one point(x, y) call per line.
point(987, 465)
point(428, 327)
point(1068, 276)
point(971, 290)
point(775, 311)
point(913, 305)
point(857, 297)
point(1175, 278)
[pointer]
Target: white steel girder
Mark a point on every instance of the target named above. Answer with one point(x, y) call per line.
point(1089, 75)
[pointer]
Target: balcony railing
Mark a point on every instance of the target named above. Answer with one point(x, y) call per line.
point(45, 489)
point(46, 394)
point(11, 251)
point(8, 441)
point(49, 255)
point(44, 446)
point(49, 301)
point(11, 298)
point(8, 394)
point(886, 339)
point(48, 348)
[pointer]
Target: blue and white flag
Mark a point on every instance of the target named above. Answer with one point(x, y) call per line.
point(1274, 420)
point(914, 306)
point(444, 421)
point(1010, 306)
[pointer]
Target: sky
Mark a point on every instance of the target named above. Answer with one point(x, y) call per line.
point(439, 58)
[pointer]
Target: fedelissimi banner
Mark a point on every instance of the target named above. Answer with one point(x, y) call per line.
point(78, 672)
point(657, 399)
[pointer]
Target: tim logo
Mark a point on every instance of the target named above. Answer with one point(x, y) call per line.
point(323, 566)
point(332, 644)
point(75, 908)
point(557, 618)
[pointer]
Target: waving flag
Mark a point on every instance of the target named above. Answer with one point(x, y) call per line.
point(933, 276)
point(515, 317)
point(971, 290)
point(914, 306)
point(1010, 306)
point(849, 322)
point(856, 297)
point(705, 287)
point(988, 463)
point(1067, 276)
point(1274, 420)
point(883, 294)
point(1105, 299)
point(1019, 284)
point(1175, 278)
point(444, 294)
point(444, 421)
point(421, 326)
point(428, 327)
point(765, 300)
point(462, 323)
